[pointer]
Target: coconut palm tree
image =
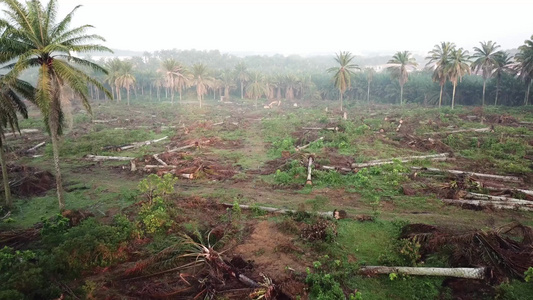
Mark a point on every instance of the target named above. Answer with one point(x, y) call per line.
point(201, 79)
point(457, 67)
point(438, 60)
point(228, 82)
point(35, 38)
point(401, 62)
point(113, 69)
point(524, 58)
point(10, 104)
point(485, 60)
point(344, 72)
point(125, 78)
point(176, 76)
point(504, 64)
point(257, 87)
point(241, 73)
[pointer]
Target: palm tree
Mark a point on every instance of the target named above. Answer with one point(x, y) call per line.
point(524, 58)
point(344, 72)
point(503, 65)
point(171, 69)
point(10, 104)
point(257, 87)
point(438, 59)
point(125, 78)
point(34, 38)
point(485, 60)
point(291, 84)
point(201, 79)
point(241, 73)
point(457, 67)
point(401, 61)
point(227, 80)
point(369, 77)
point(113, 67)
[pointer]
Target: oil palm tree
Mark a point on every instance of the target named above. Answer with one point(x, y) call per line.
point(438, 60)
point(457, 67)
point(401, 62)
point(10, 105)
point(257, 87)
point(484, 59)
point(227, 80)
point(201, 79)
point(241, 73)
point(524, 58)
point(35, 38)
point(344, 72)
point(125, 78)
point(503, 65)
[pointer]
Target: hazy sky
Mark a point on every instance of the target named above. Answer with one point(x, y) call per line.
point(303, 27)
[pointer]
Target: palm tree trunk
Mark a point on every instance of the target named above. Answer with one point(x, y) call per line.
point(242, 89)
point(172, 96)
point(498, 82)
point(483, 97)
point(7, 189)
point(401, 94)
point(526, 98)
point(128, 95)
point(440, 96)
point(180, 95)
point(340, 92)
point(453, 95)
point(368, 94)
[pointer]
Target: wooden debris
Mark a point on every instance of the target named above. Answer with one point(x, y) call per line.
point(22, 131)
point(36, 147)
point(105, 121)
point(188, 176)
point(502, 199)
point(332, 168)
point(140, 144)
point(309, 170)
point(321, 128)
point(378, 162)
point(470, 273)
point(183, 148)
point(156, 157)
point(490, 204)
point(105, 158)
point(305, 146)
point(487, 129)
point(478, 175)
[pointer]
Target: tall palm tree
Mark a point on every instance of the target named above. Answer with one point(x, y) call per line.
point(10, 104)
point(227, 80)
point(369, 72)
point(524, 58)
point(438, 59)
point(113, 69)
point(125, 78)
point(291, 84)
point(503, 65)
point(34, 38)
point(485, 60)
point(172, 70)
point(201, 79)
point(257, 87)
point(241, 73)
point(457, 67)
point(401, 62)
point(344, 72)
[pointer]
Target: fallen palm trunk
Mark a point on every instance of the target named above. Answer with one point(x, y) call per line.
point(36, 147)
point(332, 168)
point(22, 132)
point(321, 128)
point(105, 158)
point(309, 169)
point(325, 214)
point(492, 204)
point(305, 146)
point(105, 121)
point(182, 148)
point(156, 157)
point(378, 162)
point(148, 167)
point(477, 196)
point(468, 273)
point(527, 192)
point(479, 175)
point(140, 144)
point(488, 129)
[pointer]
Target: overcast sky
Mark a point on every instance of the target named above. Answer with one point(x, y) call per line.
point(303, 27)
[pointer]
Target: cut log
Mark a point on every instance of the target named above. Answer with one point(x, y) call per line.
point(133, 165)
point(140, 144)
point(345, 116)
point(36, 147)
point(332, 168)
point(22, 131)
point(219, 123)
point(469, 273)
point(378, 162)
point(148, 167)
point(105, 158)
point(305, 146)
point(321, 128)
point(105, 121)
point(156, 157)
point(325, 214)
point(527, 192)
point(492, 204)
point(182, 148)
point(487, 129)
point(479, 175)
point(502, 199)
point(309, 170)
point(188, 176)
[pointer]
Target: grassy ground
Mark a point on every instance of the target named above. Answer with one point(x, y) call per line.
point(259, 144)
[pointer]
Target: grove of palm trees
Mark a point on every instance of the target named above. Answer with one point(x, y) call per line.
point(189, 174)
